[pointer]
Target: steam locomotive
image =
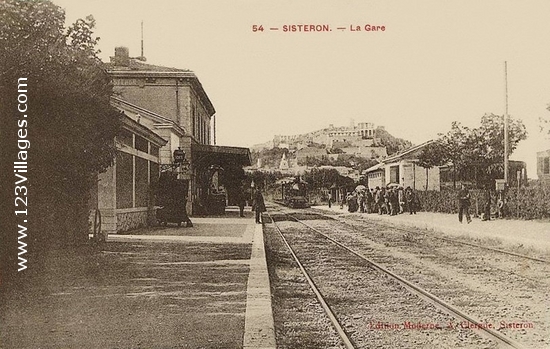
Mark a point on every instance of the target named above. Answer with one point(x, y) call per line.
point(294, 193)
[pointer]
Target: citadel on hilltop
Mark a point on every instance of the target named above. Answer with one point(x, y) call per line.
point(364, 134)
point(354, 146)
point(362, 140)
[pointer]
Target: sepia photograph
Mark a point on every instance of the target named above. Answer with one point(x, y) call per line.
point(274, 174)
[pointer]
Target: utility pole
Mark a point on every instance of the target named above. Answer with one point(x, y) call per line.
point(506, 125)
point(142, 39)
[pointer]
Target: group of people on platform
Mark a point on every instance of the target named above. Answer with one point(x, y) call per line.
point(395, 200)
point(390, 200)
point(464, 205)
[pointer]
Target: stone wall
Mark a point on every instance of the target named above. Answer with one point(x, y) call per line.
point(130, 220)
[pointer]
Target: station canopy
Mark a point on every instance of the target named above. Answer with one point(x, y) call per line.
point(205, 155)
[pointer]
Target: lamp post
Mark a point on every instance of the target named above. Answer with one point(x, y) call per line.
point(179, 162)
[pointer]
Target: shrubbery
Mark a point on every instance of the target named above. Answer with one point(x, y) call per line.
point(71, 124)
point(528, 203)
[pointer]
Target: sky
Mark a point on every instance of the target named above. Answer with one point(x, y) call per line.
point(435, 63)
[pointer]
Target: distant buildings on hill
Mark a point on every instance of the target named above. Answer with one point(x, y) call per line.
point(327, 144)
point(363, 133)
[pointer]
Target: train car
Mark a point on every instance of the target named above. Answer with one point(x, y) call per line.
point(294, 193)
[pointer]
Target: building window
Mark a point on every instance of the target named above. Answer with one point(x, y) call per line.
point(142, 144)
point(126, 137)
point(154, 172)
point(154, 150)
point(546, 165)
point(193, 120)
point(200, 131)
point(205, 131)
point(124, 180)
point(394, 174)
point(142, 182)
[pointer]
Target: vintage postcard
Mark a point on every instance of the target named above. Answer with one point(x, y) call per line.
point(275, 174)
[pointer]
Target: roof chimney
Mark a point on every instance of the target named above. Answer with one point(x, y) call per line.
point(122, 56)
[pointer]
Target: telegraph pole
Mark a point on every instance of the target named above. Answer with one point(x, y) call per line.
point(142, 39)
point(506, 145)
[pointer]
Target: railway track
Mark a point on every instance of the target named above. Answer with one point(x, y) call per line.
point(328, 310)
point(451, 240)
point(496, 337)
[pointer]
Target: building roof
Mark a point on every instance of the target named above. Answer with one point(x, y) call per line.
point(406, 152)
point(122, 66)
point(221, 155)
point(141, 130)
point(137, 65)
point(374, 168)
point(397, 157)
point(159, 120)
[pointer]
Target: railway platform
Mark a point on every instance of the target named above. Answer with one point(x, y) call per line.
point(258, 330)
point(205, 286)
point(527, 234)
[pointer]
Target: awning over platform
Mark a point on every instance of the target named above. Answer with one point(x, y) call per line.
point(204, 155)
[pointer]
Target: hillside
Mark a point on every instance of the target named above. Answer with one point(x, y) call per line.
point(381, 138)
point(270, 156)
point(393, 144)
point(261, 146)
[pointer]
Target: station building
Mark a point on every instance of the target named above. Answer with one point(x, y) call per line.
point(163, 109)
point(403, 169)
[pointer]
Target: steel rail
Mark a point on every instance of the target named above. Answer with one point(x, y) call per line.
point(498, 337)
point(494, 249)
point(320, 298)
point(452, 240)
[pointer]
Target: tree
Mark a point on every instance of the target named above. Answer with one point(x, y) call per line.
point(270, 157)
point(71, 124)
point(488, 140)
point(477, 154)
point(393, 145)
point(453, 146)
point(324, 178)
point(433, 154)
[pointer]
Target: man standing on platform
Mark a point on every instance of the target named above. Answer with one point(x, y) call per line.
point(259, 205)
point(464, 203)
point(410, 200)
point(241, 201)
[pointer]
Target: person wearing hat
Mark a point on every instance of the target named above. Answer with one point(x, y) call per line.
point(259, 205)
point(464, 204)
point(410, 199)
